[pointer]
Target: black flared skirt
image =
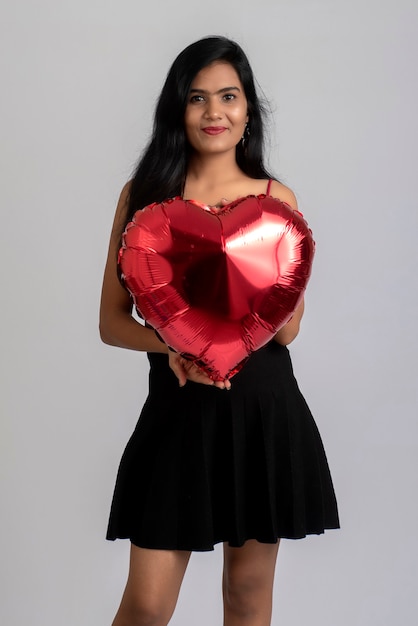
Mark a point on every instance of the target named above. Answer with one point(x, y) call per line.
point(206, 465)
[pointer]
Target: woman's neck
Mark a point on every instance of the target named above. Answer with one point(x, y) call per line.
point(213, 170)
point(209, 175)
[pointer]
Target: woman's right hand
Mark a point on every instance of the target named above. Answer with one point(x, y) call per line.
point(187, 370)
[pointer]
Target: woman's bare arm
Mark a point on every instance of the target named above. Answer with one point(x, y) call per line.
point(290, 330)
point(117, 326)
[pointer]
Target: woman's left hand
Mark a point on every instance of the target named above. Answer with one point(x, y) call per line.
point(187, 370)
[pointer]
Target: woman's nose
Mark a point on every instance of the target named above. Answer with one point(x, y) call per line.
point(213, 110)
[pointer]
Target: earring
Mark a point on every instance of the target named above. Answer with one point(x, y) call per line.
point(245, 136)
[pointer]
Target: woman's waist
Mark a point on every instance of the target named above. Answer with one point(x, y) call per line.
point(267, 360)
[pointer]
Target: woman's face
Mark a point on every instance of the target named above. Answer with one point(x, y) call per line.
point(216, 111)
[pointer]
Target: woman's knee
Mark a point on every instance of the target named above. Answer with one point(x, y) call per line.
point(145, 613)
point(243, 591)
point(248, 578)
point(152, 589)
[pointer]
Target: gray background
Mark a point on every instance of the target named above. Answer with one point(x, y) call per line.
point(79, 82)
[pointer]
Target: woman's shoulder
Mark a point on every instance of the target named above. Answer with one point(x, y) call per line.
point(283, 193)
point(121, 210)
point(126, 189)
point(124, 199)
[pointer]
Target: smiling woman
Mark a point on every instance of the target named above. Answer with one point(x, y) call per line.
point(235, 461)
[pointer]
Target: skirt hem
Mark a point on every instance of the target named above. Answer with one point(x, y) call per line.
point(211, 545)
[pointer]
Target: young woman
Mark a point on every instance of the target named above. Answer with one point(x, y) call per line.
point(240, 461)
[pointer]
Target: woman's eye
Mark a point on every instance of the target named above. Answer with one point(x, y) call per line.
point(229, 96)
point(196, 99)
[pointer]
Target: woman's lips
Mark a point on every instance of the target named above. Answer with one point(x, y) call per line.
point(214, 130)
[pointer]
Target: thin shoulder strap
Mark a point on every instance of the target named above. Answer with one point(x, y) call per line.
point(268, 187)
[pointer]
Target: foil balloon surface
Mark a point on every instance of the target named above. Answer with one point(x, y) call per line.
point(217, 284)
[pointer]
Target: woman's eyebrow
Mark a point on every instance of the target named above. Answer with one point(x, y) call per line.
point(223, 90)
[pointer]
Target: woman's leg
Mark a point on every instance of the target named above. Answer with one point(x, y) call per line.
point(248, 583)
point(151, 593)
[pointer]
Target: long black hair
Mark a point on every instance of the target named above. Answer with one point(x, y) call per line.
point(161, 171)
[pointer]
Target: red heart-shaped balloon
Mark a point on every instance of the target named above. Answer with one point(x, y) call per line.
point(217, 283)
